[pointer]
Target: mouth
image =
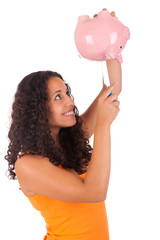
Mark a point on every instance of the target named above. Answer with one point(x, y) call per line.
point(69, 114)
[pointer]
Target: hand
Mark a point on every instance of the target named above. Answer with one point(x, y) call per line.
point(107, 106)
point(104, 9)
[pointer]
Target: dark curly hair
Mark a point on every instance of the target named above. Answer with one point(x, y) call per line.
point(29, 129)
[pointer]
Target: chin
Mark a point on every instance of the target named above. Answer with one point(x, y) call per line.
point(71, 124)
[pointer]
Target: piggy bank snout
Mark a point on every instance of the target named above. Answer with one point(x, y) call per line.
point(126, 33)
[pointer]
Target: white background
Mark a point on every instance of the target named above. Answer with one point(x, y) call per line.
point(39, 35)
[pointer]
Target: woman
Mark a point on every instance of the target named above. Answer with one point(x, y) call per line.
point(49, 153)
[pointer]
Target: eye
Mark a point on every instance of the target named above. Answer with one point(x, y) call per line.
point(57, 96)
point(67, 93)
point(120, 46)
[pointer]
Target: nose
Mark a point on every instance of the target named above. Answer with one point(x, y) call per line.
point(127, 33)
point(69, 101)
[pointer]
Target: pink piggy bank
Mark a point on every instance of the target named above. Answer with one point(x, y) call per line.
point(101, 38)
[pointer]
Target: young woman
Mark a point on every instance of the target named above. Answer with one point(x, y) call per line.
point(49, 153)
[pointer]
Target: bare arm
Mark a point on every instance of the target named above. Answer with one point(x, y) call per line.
point(98, 173)
point(89, 116)
point(39, 175)
point(115, 74)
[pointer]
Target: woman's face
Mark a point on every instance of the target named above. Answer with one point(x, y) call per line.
point(60, 105)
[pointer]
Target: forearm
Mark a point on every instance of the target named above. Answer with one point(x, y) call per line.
point(98, 173)
point(90, 115)
point(115, 74)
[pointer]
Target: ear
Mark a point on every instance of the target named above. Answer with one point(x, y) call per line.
point(119, 58)
point(83, 18)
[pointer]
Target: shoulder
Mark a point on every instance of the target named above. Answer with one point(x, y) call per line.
point(25, 160)
point(25, 164)
point(24, 167)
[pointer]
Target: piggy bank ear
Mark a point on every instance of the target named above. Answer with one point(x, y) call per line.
point(83, 18)
point(119, 58)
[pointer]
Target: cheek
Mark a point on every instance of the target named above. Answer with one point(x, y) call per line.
point(52, 119)
point(54, 114)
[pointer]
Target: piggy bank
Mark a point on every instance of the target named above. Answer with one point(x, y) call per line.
point(101, 38)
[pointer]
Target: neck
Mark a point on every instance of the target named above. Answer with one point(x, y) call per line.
point(56, 139)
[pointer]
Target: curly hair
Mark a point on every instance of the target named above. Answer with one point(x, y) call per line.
point(29, 129)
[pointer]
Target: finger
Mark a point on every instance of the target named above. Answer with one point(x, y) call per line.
point(95, 15)
point(112, 98)
point(118, 109)
point(109, 90)
point(104, 9)
point(112, 13)
point(116, 103)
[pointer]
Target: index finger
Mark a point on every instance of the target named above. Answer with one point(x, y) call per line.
point(109, 90)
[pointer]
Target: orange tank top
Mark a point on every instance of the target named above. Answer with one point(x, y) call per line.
point(72, 220)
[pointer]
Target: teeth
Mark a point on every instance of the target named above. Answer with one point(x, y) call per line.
point(70, 113)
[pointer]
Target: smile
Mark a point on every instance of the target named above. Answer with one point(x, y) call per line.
point(69, 113)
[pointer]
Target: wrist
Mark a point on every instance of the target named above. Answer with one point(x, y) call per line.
point(104, 125)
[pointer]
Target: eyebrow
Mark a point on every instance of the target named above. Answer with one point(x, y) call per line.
point(58, 91)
